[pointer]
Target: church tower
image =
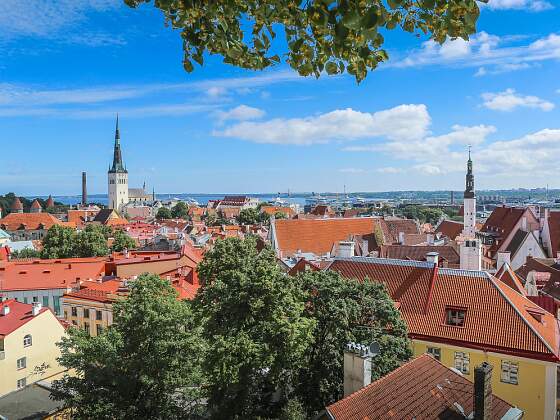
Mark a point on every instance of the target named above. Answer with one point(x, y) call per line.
point(117, 176)
point(469, 204)
point(470, 247)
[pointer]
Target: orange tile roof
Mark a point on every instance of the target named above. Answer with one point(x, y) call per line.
point(28, 221)
point(424, 294)
point(272, 210)
point(450, 228)
point(391, 228)
point(418, 252)
point(48, 274)
point(318, 235)
point(422, 388)
point(506, 275)
point(20, 314)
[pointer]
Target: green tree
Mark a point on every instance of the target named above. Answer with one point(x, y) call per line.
point(144, 366)
point(59, 242)
point(345, 311)
point(320, 35)
point(90, 242)
point(280, 215)
point(122, 241)
point(253, 323)
point(180, 210)
point(25, 253)
point(211, 219)
point(248, 216)
point(164, 213)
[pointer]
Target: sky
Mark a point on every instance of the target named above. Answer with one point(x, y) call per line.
point(68, 66)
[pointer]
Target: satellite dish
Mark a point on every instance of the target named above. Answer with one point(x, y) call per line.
point(374, 348)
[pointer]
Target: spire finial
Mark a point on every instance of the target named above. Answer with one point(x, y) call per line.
point(470, 151)
point(117, 132)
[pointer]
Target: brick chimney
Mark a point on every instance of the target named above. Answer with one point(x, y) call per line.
point(483, 392)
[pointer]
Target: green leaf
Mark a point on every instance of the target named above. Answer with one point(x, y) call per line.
point(331, 68)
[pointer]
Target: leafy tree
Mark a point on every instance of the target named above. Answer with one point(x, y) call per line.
point(248, 216)
point(90, 242)
point(253, 323)
point(59, 242)
point(25, 253)
point(344, 311)
point(211, 219)
point(321, 35)
point(164, 213)
point(143, 366)
point(122, 241)
point(280, 215)
point(180, 210)
point(422, 214)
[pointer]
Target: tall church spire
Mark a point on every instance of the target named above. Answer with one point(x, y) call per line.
point(469, 185)
point(118, 165)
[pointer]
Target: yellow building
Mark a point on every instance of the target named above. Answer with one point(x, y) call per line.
point(28, 351)
point(464, 318)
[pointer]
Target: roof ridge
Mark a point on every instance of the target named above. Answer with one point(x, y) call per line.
point(493, 281)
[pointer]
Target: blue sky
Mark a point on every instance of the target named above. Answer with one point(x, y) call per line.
point(68, 66)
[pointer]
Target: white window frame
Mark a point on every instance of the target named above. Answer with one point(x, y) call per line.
point(510, 372)
point(462, 362)
point(27, 340)
point(21, 363)
point(455, 317)
point(21, 383)
point(435, 352)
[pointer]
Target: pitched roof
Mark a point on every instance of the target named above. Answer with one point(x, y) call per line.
point(20, 314)
point(50, 202)
point(317, 236)
point(36, 205)
point(272, 210)
point(516, 242)
point(109, 217)
point(422, 388)
point(425, 293)
point(16, 204)
point(48, 274)
point(418, 252)
point(391, 228)
point(506, 275)
point(450, 228)
point(29, 221)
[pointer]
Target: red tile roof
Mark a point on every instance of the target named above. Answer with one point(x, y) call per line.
point(424, 294)
point(48, 274)
point(272, 210)
point(50, 202)
point(450, 228)
point(20, 314)
point(418, 252)
point(391, 228)
point(507, 276)
point(318, 235)
point(503, 220)
point(16, 204)
point(35, 205)
point(28, 221)
point(420, 389)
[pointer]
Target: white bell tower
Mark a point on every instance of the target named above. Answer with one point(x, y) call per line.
point(117, 176)
point(470, 246)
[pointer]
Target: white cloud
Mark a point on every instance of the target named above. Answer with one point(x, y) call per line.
point(488, 53)
point(389, 170)
point(352, 171)
point(531, 5)
point(427, 169)
point(402, 122)
point(509, 100)
point(241, 113)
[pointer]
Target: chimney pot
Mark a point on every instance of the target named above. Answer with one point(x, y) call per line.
point(483, 392)
point(5, 310)
point(432, 257)
point(36, 308)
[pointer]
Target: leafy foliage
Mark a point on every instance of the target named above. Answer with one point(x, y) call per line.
point(422, 214)
point(180, 211)
point(254, 325)
point(90, 242)
point(122, 241)
point(335, 36)
point(65, 242)
point(7, 200)
point(144, 366)
point(164, 213)
point(25, 253)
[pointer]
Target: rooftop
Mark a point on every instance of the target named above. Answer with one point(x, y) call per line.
point(20, 314)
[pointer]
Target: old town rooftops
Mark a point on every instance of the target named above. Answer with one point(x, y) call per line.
point(18, 315)
point(426, 294)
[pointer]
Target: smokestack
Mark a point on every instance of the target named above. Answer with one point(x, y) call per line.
point(483, 392)
point(84, 189)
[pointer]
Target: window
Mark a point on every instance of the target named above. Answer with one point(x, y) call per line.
point(86, 313)
point(86, 327)
point(455, 317)
point(45, 301)
point(435, 352)
point(462, 361)
point(56, 304)
point(99, 329)
point(74, 311)
point(510, 372)
point(22, 363)
point(21, 383)
point(35, 299)
point(98, 315)
point(24, 300)
point(27, 340)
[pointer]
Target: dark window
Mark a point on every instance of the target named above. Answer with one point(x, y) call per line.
point(74, 311)
point(435, 352)
point(86, 313)
point(455, 317)
point(27, 340)
point(98, 315)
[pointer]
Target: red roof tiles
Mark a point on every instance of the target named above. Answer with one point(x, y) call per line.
point(420, 389)
point(418, 253)
point(28, 221)
point(16, 204)
point(20, 314)
point(450, 229)
point(489, 305)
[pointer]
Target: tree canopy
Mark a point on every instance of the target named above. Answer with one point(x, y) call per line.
point(180, 210)
point(122, 241)
point(65, 242)
point(164, 213)
point(254, 324)
point(144, 366)
point(335, 36)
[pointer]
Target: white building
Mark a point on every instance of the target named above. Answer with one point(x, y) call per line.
point(470, 247)
point(117, 176)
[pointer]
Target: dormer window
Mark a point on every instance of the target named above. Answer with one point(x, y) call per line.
point(455, 316)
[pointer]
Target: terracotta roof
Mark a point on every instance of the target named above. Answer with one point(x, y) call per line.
point(29, 221)
point(450, 228)
point(425, 293)
point(391, 227)
point(16, 204)
point(422, 388)
point(272, 210)
point(547, 265)
point(79, 217)
point(418, 252)
point(96, 291)
point(35, 205)
point(503, 220)
point(50, 202)
point(234, 200)
point(318, 235)
point(554, 230)
point(20, 314)
point(48, 274)
point(321, 210)
point(506, 275)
